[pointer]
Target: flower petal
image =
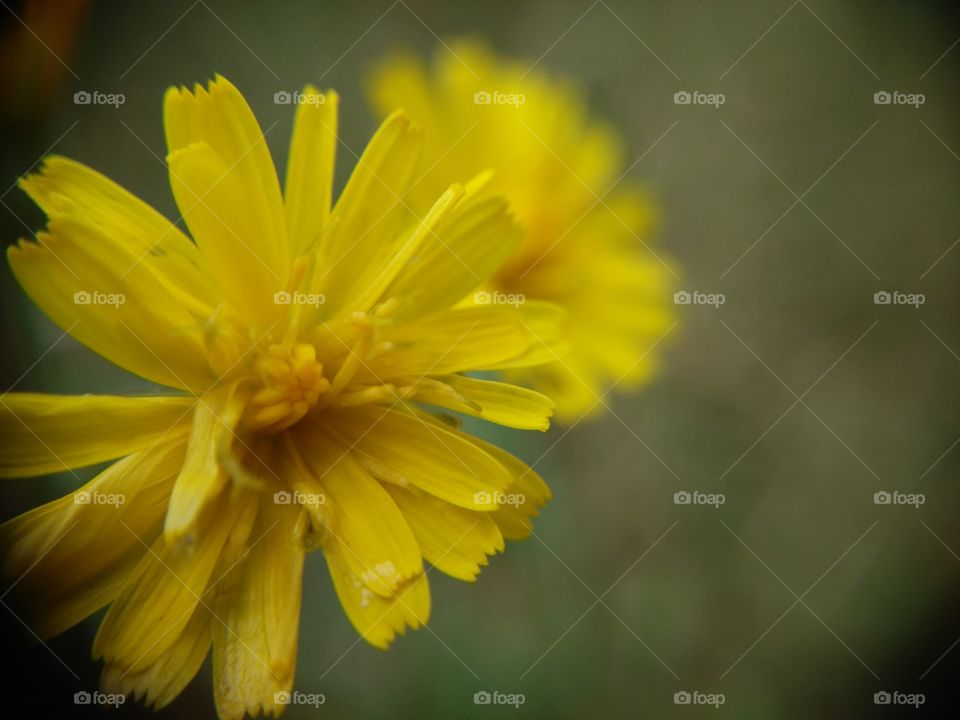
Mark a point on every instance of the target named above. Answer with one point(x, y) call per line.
point(278, 567)
point(574, 384)
point(454, 540)
point(377, 619)
point(463, 252)
point(545, 322)
point(255, 638)
point(370, 287)
point(366, 225)
point(308, 188)
point(399, 447)
point(525, 495)
point(220, 118)
point(502, 403)
point(63, 184)
point(160, 683)
point(72, 556)
point(202, 475)
point(376, 541)
point(107, 295)
point(468, 338)
point(163, 591)
point(51, 433)
point(212, 199)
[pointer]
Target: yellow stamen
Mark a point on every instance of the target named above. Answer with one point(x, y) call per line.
point(292, 383)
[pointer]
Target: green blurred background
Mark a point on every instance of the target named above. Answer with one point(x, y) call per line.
point(798, 399)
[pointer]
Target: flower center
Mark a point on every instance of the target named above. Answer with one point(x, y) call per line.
point(292, 382)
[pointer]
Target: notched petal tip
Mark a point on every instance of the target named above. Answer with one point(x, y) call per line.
point(17, 249)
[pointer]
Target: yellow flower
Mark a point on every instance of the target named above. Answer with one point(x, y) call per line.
point(304, 340)
point(582, 247)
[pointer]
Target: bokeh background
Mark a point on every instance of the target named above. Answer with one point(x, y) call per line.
point(798, 398)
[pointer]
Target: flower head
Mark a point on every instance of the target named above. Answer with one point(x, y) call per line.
point(562, 173)
point(304, 339)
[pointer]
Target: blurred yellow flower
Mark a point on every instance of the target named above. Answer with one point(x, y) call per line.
point(582, 248)
point(303, 340)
